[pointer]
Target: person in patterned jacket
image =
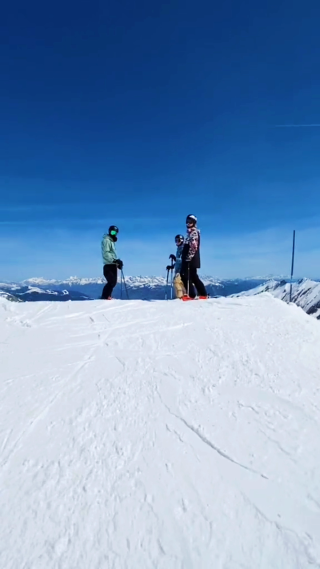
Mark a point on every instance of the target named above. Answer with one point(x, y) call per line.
point(191, 260)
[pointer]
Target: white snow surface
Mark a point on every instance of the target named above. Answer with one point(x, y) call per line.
point(162, 435)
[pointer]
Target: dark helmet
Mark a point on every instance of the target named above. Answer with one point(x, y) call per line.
point(113, 230)
point(191, 220)
point(179, 239)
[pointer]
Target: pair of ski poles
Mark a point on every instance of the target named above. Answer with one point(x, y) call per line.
point(123, 282)
point(169, 269)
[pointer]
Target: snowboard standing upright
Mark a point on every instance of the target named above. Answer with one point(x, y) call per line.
point(178, 286)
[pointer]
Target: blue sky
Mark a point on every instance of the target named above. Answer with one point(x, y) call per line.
point(138, 113)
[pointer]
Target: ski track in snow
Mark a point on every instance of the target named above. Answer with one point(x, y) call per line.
point(160, 435)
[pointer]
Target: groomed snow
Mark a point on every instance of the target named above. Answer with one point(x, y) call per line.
point(162, 435)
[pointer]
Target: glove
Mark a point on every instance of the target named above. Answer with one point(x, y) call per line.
point(119, 264)
point(169, 267)
point(173, 257)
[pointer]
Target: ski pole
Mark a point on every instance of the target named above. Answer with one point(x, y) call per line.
point(125, 284)
point(170, 268)
point(121, 287)
point(188, 283)
point(166, 291)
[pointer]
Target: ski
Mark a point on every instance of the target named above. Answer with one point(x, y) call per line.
point(186, 298)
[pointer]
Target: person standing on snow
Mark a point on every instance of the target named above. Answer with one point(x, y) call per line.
point(177, 260)
point(191, 260)
point(111, 263)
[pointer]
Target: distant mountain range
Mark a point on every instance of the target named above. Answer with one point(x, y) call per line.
point(21, 292)
point(145, 288)
point(305, 292)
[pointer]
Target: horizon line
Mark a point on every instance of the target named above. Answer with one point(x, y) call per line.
point(310, 125)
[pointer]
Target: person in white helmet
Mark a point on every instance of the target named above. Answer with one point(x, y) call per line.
point(191, 260)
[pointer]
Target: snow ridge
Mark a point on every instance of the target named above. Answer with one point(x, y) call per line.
point(305, 293)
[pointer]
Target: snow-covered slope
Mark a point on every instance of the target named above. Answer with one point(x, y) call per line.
point(305, 293)
point(167, 434)
point(9, 296)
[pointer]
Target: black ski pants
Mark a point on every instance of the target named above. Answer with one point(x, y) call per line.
point(110, 273)
point(190, 274)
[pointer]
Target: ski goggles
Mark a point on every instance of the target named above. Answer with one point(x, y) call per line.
point(113, 232)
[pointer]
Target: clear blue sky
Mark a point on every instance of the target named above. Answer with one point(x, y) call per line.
point(138, 113)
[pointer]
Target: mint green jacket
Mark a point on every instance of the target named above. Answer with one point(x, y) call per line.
point(108, 250)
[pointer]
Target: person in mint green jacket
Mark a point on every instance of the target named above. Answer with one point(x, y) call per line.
point(111, 263)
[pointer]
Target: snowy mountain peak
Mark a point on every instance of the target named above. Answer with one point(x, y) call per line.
point(305, 293)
